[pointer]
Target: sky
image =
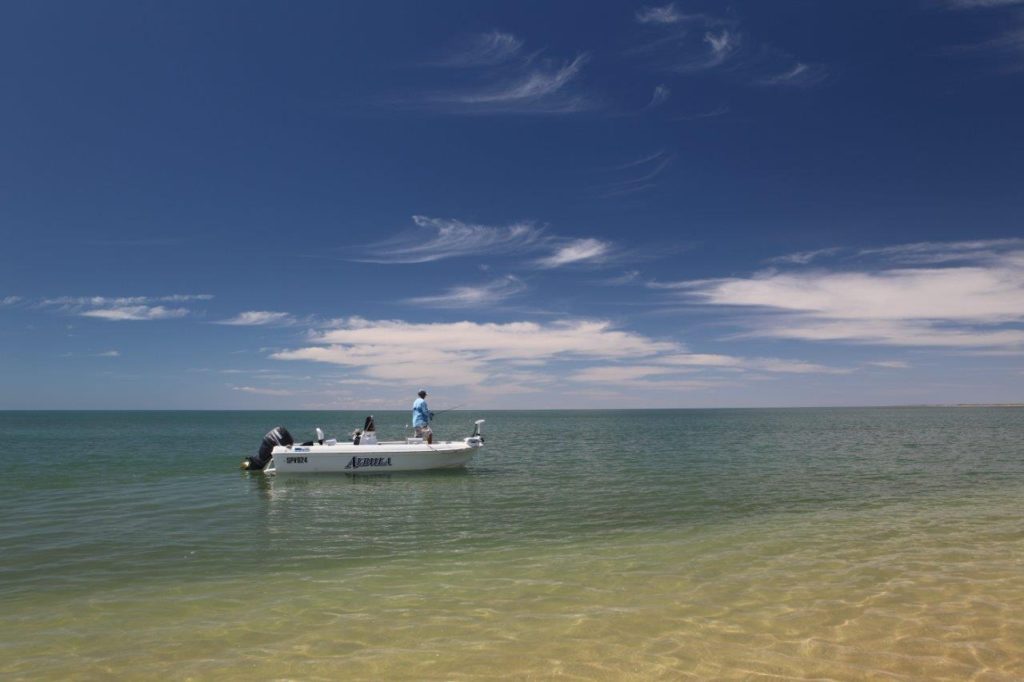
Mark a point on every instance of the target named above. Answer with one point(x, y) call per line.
point(323, 205)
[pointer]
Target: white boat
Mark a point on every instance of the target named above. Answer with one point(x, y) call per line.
point(362, 455)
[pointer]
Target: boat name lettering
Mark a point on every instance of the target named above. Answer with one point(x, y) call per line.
point(296, 460)
point(359, 462)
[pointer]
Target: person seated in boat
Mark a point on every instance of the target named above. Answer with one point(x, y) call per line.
point(421, 416)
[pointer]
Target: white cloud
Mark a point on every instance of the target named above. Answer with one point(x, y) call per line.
point(9, 300)
point(263, 391)
point(179, 298)
point(121, 308)
point(981, 294)
point(774, 365)
point(135, 312)
point(577, 251)
point(474, 297)
point(251, 318)
point(122, 300)
point(887, 332)
point(109, 354)
point(525, 340)
point(461, 353)
point(704, 359)
point(521, 357)
point(969, 304)
point(619, 373)
point(889, 364)
point(675, 372)
point(792, 366)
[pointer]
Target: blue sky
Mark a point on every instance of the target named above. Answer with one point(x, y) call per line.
point(514, 205)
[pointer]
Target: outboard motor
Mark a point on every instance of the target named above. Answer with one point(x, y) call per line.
point(276, 436)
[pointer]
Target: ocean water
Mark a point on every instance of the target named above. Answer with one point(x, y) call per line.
point(637, 545)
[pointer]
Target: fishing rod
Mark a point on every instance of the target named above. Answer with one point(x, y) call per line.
point(450, 409)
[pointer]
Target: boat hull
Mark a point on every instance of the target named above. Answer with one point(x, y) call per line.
point(373, 458)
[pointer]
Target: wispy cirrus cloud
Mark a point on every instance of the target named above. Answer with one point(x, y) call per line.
point(914, 253)
point(1005, 50)
point(474, 296)
point(692, 43)
point(976, 4)
point(803, 257)
point(659, 96)
point(540, 88)
point(577, 251)
point(449, 238)
point(967, 295)
point(10, 300)
point(495, 76)
point(637, 175)
point(452, 239)
point(721, 45)
point(628, 277)
point(800, 75)
point(679, 42)
point(483, 49)
point(720, 110)
point(932, 253)
point(663, 14)
point(253, 318)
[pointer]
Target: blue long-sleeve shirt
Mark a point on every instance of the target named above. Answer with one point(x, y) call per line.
point(420, 413)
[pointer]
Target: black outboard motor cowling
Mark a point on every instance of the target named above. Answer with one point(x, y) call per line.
point(276, 436)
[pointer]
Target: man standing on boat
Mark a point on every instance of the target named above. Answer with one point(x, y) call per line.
point(421, 416)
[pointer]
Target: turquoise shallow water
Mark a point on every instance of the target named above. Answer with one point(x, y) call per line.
point(826, 543)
